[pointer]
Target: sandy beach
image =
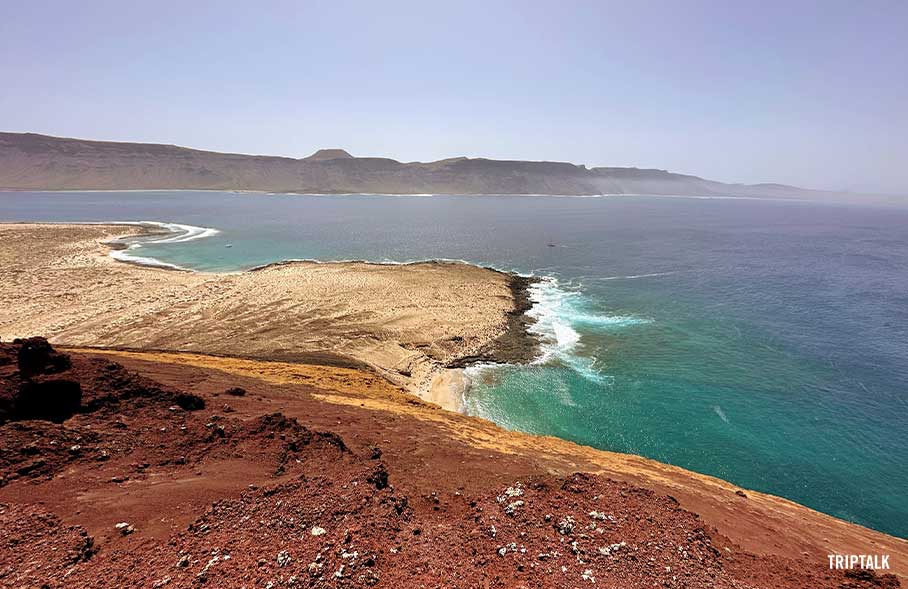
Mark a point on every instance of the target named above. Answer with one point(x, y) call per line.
point(414, 324)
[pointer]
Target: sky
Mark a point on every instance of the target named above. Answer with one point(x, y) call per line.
point(813, 94)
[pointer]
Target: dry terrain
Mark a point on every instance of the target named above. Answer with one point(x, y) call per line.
point(408, 322)
point(132, 469)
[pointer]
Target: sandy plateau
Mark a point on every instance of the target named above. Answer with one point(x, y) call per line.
point(407, 322)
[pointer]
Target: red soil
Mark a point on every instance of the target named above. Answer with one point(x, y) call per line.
point(244, 496)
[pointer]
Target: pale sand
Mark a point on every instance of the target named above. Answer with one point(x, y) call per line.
point(405, 321)
point(447, 389)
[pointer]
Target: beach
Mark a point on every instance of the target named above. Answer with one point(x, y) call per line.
point(414, 324)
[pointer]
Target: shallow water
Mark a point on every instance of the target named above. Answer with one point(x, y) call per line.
point(763, 342)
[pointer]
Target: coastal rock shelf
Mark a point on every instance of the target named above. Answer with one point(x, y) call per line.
point(407, 322)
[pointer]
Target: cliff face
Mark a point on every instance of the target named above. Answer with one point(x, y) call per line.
point(40, 162)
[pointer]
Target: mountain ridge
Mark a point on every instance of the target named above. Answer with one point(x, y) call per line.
point(31, 161)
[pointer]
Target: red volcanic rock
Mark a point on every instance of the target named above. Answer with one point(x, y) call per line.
point(36, 383)
point(44, 384)
point(48, 544)
point(262, 499)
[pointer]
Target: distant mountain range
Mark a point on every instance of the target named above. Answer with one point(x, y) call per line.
point(30, 161)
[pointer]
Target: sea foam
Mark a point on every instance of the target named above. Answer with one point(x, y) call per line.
point(176, 233)
point(124, 255)
point(559, 313)
point(181, 233)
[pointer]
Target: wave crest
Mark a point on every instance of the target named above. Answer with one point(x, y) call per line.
point(176, 233)
point(558, 314)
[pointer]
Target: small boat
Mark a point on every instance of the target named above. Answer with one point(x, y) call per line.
point(228, 245)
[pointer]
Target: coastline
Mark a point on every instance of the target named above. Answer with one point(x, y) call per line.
point(66, 257)
point(424, 194)
point(445, 315)
point(516, 344)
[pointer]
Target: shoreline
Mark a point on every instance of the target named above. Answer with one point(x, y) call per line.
point(516, 345)
point(449, 385)
point(413, 356)
point(423, 194)
point(425, 365)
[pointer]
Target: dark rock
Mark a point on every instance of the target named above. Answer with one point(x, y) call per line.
point(236, 392)
point(379, 477)
point(36, 356)
point(31, 466)
point(84, 549)
point(189, 402)
point(516, 345)
point(53, 400)
point(869, 578)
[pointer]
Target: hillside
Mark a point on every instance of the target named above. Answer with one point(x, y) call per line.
point(175, 470)
point(39, 162)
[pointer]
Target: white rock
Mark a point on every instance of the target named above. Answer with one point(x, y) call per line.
point(566, 525)
point(124, 528)
point(513, 507)
point(510, 492)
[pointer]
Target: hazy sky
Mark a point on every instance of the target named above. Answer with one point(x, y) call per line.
point(807, 93)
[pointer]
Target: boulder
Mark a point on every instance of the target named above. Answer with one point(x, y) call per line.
point(36, 356)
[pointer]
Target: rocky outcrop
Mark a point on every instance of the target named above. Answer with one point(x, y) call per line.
point(329, 154)
point(36, 383)
point(39, 383)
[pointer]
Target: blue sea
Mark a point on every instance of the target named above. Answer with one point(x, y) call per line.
point(763, 342)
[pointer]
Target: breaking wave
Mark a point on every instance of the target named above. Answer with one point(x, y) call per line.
point(633, 276)
point(559, 313)
point(175, 233)
point(126, 255)
point(181, 233)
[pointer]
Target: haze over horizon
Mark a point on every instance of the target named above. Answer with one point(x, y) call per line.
point(807, 94)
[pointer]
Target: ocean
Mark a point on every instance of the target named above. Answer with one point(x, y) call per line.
point(763, 342)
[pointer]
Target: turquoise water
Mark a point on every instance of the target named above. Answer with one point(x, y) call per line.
point(764, 342)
